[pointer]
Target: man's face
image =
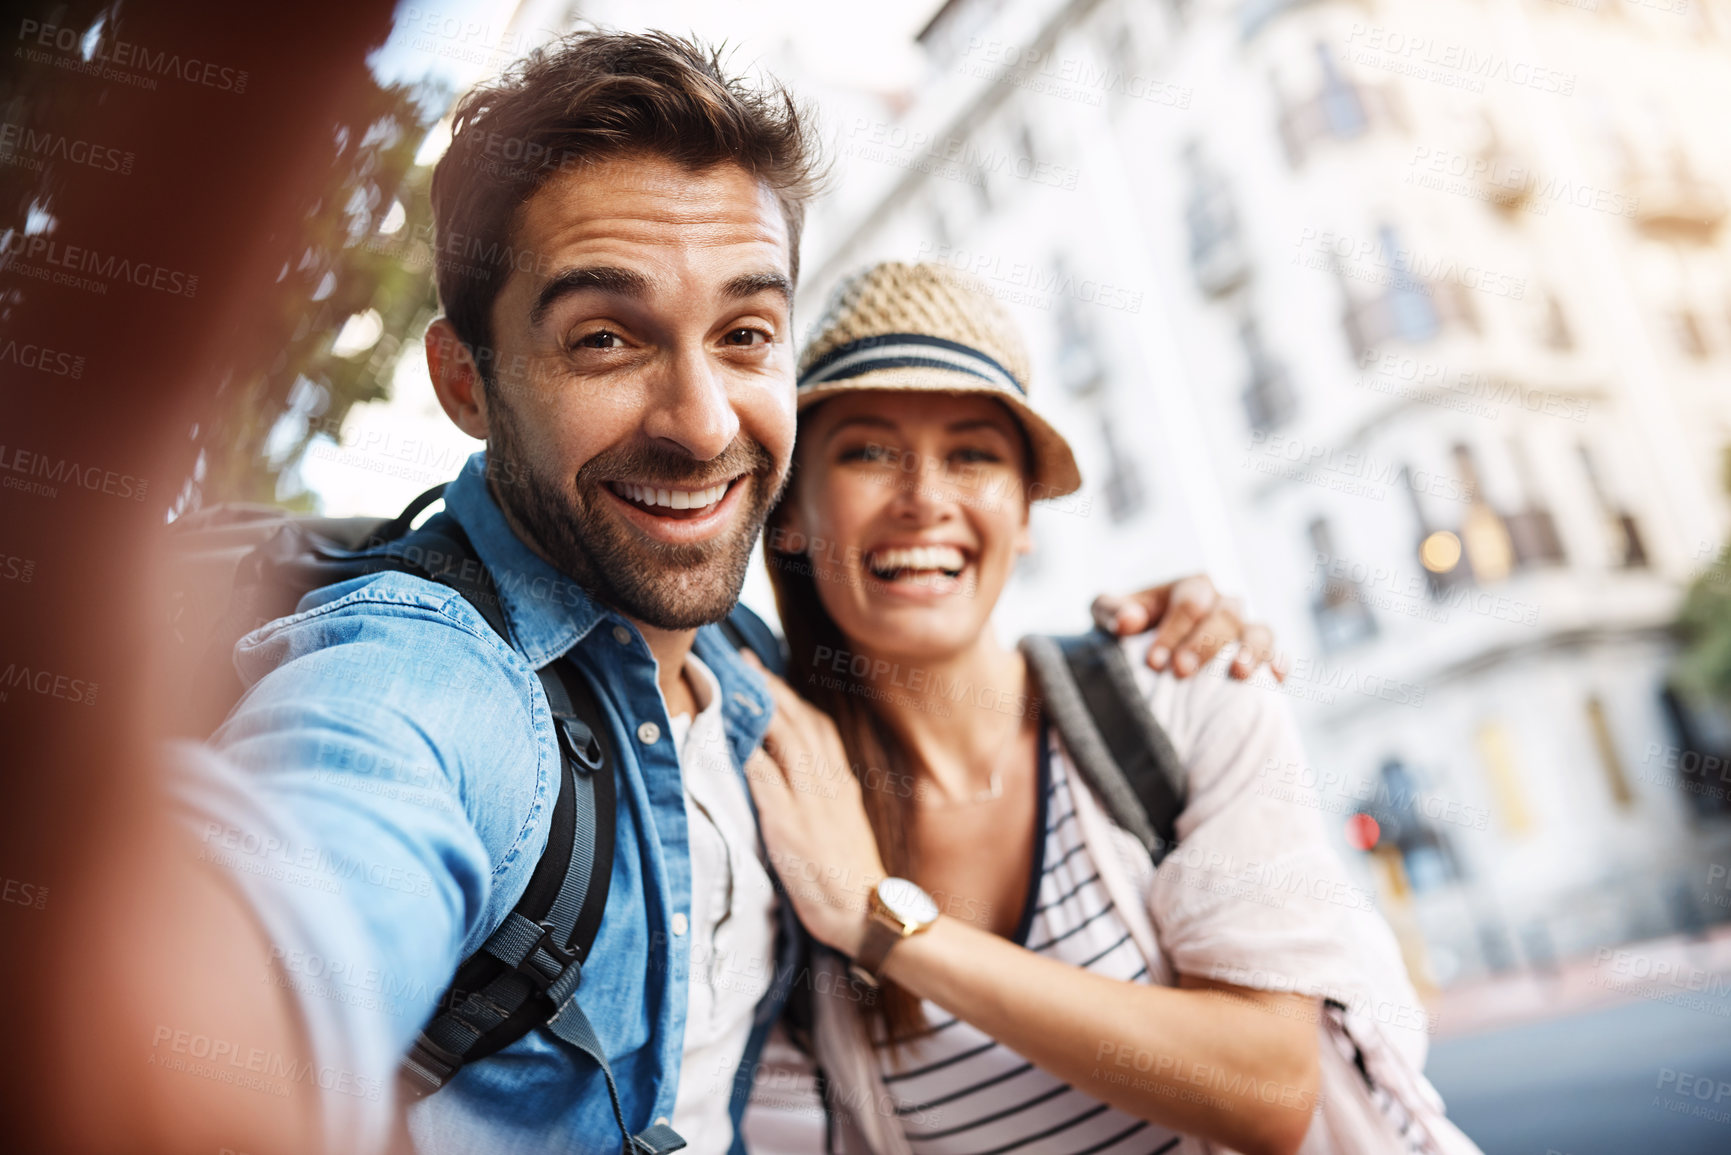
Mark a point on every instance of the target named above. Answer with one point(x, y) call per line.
point(642, 413)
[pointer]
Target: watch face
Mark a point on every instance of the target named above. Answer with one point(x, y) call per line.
point(907, 901)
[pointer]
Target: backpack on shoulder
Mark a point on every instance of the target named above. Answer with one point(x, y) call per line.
point(1091, 695)
point(239, 567)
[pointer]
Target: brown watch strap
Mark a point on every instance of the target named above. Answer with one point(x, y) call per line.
point(881, 934)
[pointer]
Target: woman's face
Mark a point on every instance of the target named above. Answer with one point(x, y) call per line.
point(911, 508)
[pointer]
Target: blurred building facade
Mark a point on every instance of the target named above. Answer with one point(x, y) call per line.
point(1413, 320)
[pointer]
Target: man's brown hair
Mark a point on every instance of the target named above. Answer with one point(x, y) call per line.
point(586, 97)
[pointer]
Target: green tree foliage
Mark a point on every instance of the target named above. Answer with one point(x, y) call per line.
point(357, 251)
point(1704, 625)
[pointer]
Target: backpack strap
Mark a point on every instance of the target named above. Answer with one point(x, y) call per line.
point(527, 972)
point(1092, 695)
point(528, 968)
point(399, 525)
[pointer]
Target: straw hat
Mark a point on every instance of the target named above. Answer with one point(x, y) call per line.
point(927, 326)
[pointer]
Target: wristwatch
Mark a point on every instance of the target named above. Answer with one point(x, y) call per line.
point(898, 909)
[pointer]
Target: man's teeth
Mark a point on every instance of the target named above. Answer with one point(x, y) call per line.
point(671, 498)
point(919, 559)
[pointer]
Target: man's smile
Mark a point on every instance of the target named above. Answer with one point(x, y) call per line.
point(670, 501)
point(679, 516)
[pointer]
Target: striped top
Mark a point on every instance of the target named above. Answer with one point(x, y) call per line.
point(959, 1092)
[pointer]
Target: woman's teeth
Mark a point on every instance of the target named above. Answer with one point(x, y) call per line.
point(671, 498)
point(915, 561)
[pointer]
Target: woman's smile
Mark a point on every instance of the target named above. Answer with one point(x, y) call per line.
point(918, 572)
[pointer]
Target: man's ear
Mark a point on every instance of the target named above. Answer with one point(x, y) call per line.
point(456, 379)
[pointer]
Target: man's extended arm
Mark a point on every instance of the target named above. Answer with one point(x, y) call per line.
point(326, 870)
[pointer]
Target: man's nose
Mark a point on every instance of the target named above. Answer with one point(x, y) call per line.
point(690, 406)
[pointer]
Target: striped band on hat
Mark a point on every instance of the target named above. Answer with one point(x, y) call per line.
point(906, 351)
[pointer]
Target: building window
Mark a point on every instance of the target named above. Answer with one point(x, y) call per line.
point(1496, 751)
point(1124, 492)
point(1337, 605)
point(1217, 255)
point(1335, 111)
point(1409, 309)
point(1410, 305)
point(1439, 550)
point(1610, 762)
point(1532, 529)
point(1338, 109)
point(1622, 531)
point(1080, 366)
point(1489, 545)
point(1269, 401)
point(1484, 534)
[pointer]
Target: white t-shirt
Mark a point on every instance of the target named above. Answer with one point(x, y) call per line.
point(732, 921)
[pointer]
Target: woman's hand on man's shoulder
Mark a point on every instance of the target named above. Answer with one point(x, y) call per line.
point(1192, 622)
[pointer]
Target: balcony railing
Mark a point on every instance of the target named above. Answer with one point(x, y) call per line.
point(1410, 310)
point(1677, 205)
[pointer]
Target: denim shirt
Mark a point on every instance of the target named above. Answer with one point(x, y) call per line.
point(381, 794)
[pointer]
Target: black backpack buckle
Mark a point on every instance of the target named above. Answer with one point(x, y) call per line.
point(530, 967)
point(581, 744)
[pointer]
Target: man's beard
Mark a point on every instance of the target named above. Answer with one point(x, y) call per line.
point(668, 586)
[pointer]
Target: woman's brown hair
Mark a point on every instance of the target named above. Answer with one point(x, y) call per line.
point(885, 770)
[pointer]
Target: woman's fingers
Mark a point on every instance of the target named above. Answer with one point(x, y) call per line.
point(774, 797)
point(1255, 649)
point(1121, 615)
point(1221, 625)
point(1192, 623)
point(1191, 600)
point(765, 767)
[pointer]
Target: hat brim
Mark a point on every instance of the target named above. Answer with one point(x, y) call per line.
point(1055, 472)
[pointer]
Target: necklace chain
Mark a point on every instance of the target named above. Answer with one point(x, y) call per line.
point(994, 788)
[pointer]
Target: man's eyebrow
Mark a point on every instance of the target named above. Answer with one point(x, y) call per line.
point(750, 284)
point(598, 278)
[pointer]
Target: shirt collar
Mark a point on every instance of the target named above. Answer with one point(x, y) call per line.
point(745, 702)
point(548, 612)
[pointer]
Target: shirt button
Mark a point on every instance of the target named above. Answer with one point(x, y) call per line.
point(661, 1121)
point(649, 733)
point(622, 635)
point(679, 922)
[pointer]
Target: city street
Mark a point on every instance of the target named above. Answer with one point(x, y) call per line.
point(1631, 1079)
